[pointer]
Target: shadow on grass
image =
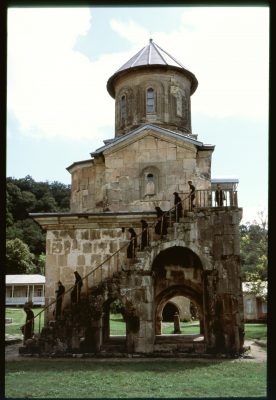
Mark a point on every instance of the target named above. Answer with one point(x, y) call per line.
point(61, 365)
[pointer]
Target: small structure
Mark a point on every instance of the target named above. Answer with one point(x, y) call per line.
point(21, 289)
point(228, 186)
point(255, 307)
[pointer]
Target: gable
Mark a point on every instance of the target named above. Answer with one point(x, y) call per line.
point(152, 132)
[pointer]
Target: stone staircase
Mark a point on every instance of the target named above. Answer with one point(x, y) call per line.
point(72, 332)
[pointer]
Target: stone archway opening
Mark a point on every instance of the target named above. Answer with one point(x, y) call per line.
point(188, 312)
point(169, 310)
point(178, 274)
point(113, 326)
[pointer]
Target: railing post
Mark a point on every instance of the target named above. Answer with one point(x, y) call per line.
point(39, 322)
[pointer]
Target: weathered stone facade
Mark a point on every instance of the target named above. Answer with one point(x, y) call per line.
point(117, 178)
point(152, 155)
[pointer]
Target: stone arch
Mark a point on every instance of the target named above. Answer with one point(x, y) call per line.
point(205, 260)
point(127, 93)
point(131, 318)
point(177, 271)
point(169, 310)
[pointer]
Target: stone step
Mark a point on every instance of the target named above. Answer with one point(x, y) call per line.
point(179, 338)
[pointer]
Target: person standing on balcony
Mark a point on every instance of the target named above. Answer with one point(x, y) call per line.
point(60, 294)
point(75, 294)
point(131, 248)
point(144, 235)
point(192, 195)
point(28, 328)
point(178, 206)
point(219, 196)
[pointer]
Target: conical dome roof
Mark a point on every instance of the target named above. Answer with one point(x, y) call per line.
point(151, 55)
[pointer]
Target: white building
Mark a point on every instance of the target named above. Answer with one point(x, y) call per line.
point(255, 308)
point(25, 288)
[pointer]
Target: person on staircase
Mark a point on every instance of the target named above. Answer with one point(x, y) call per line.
point(145, 235)
point(178, 206)
point(131, 248)
point(59, 298)
point(192, 195)
point(75, 294)
point(161, 228)
point(28, 328)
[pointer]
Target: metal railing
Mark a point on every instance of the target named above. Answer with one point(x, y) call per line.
point(22, 300)
point(114, 263)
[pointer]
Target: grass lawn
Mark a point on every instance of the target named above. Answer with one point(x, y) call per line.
point(19, 317)
point(83, 378)
point(118, 326)
point(103, 378)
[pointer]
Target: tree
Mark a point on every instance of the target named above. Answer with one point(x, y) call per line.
point(30, 233)
point(19, 259)
point(26, 196)
point(254, 241)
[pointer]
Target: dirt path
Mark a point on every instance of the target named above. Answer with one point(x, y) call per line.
point(256, 354)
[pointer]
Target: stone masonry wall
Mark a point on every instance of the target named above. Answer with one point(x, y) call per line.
point(119, 181)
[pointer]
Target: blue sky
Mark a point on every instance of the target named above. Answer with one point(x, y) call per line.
point(60, 59)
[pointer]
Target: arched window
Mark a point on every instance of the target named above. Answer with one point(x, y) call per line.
point(150, 185)
point(123, 108)
point(150, 100)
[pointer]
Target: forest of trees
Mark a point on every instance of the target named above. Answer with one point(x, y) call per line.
point(25, 240)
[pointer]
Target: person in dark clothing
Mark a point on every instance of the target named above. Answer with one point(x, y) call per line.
point(178, 206)
point(159, 211)
point(145, 234)
point(75, 294)
point(219, 196)
point(161, 227)
point(28, 328)
point(59, 298)
point(192, 195)
point(131, 248)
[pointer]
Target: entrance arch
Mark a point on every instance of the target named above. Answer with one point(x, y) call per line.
point(168, 311)
point(177, 271)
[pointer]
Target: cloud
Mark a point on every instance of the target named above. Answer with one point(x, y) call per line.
point(254, 214)
point(55, 90)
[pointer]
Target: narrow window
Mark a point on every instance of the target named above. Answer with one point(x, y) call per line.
point(123, 108)
point(150, 100)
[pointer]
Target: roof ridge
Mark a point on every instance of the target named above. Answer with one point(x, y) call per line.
point(140, 53)
point(169, 55)
point(156, 48)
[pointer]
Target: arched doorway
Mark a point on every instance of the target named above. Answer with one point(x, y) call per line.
point(178, 272)
point(169, 310)
point(187, 312)
point(113, 326)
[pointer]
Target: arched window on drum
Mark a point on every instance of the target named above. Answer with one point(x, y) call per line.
point(123, 109)
point(150, 100)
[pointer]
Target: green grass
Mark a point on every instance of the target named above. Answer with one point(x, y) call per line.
point(118, 326)
point(256, 331)
point(185, 327)
point(83, 378)
point(19, 317)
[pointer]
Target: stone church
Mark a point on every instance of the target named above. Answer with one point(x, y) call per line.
point(152, 155)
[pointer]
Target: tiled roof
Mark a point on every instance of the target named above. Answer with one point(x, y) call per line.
point(151, 55)
point(24, 279)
